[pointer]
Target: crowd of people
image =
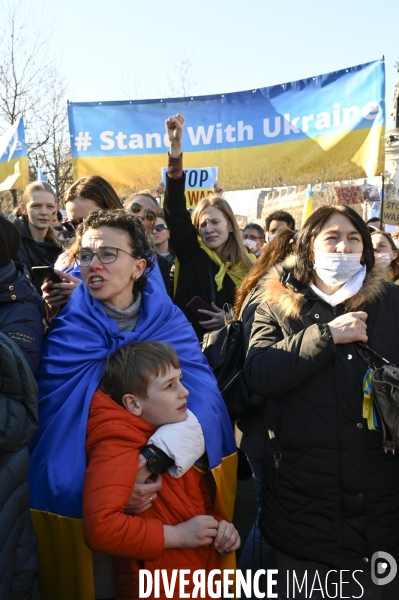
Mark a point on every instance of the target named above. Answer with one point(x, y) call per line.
point(117, 451)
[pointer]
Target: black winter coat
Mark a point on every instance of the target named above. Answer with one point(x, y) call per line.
point(18, 422)
point(335, 497)
point(21, 311)
point(253, 426)
point(196, 270)
point(35, 254)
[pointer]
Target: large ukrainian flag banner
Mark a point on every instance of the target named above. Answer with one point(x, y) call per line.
point(14, 173)
point(329, 126)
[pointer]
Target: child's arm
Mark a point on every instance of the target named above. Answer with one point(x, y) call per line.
point(110, 477)
point(227, 539)
point(198, 531)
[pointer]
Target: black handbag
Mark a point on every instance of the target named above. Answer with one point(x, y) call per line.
point(224, 350)
point(385, 381)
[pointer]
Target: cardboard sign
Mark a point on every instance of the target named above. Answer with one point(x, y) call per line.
point(199, 184)
point(391, 212)
point(350, 194)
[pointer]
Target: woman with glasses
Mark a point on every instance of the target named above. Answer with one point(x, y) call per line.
point(117, 304)
point(212, 259)
point(85, 195)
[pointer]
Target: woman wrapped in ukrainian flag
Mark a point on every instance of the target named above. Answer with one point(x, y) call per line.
point(117, 304)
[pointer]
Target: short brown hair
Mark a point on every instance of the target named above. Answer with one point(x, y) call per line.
point(130, 369)
point(138, 241)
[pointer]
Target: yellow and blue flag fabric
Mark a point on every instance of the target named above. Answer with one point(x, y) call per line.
point(289, 132)
point(74, 357)
point(308, 207)
point(40, 175)
point(14, 174)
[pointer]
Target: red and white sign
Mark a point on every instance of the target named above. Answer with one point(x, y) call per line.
point(349, 194)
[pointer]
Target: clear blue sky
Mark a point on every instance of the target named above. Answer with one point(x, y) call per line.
point(113, 49)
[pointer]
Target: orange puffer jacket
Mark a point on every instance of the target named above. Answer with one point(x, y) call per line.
point(114, 439)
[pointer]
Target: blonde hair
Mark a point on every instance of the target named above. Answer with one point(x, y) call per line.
point(233, 250)
point(27, 196)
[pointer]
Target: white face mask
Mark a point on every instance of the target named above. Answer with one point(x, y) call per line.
point(335, 268)
point(271, 236)
point(384, 258)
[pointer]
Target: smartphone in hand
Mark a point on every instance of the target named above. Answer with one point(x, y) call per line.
point(46, 273)
point(197, 303)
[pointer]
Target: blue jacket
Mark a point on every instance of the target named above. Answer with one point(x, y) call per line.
point(21, 311)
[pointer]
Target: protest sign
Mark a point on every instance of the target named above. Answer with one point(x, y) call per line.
point(199, 183)
point(283, 134)
point(390, 213)
point(14, 173)
point(348, 194)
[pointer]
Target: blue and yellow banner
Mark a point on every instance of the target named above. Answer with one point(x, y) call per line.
point(14, 174)
point(329, 127)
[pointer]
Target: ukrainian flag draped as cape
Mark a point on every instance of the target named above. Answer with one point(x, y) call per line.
point(74, 358)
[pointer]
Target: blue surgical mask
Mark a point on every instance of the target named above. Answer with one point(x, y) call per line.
point(335, 268)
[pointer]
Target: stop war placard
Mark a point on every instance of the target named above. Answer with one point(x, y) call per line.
point(199, 183)
point(391, 212)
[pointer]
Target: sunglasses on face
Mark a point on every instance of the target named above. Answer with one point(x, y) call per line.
point(160, 227)
point(106, 255)
point(71, 226)
point(136, 208)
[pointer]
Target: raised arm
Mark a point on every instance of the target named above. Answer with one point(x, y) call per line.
point(183, 234)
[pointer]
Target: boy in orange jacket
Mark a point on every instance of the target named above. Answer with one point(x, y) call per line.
point(141, 390)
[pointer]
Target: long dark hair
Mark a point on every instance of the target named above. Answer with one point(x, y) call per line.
point(311, 229)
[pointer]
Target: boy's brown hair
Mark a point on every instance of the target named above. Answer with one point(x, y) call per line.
point(130, 369)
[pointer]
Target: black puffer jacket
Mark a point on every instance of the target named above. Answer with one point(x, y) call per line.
point(18, 423)
point(335, 497)
point(253, 426)
point(21, 311)
point(35, 254)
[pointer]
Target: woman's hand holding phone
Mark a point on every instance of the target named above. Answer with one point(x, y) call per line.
point(57, 294)
point(216, 317)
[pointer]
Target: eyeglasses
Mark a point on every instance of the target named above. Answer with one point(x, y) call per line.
point(136, 208)
point(251, 237)
point(106, 255)
point(160, 227)
point(71, 226)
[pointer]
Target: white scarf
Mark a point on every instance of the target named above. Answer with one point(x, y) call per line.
point(349, 289)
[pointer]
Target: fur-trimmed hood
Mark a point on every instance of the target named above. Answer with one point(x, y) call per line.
point(279, 287)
